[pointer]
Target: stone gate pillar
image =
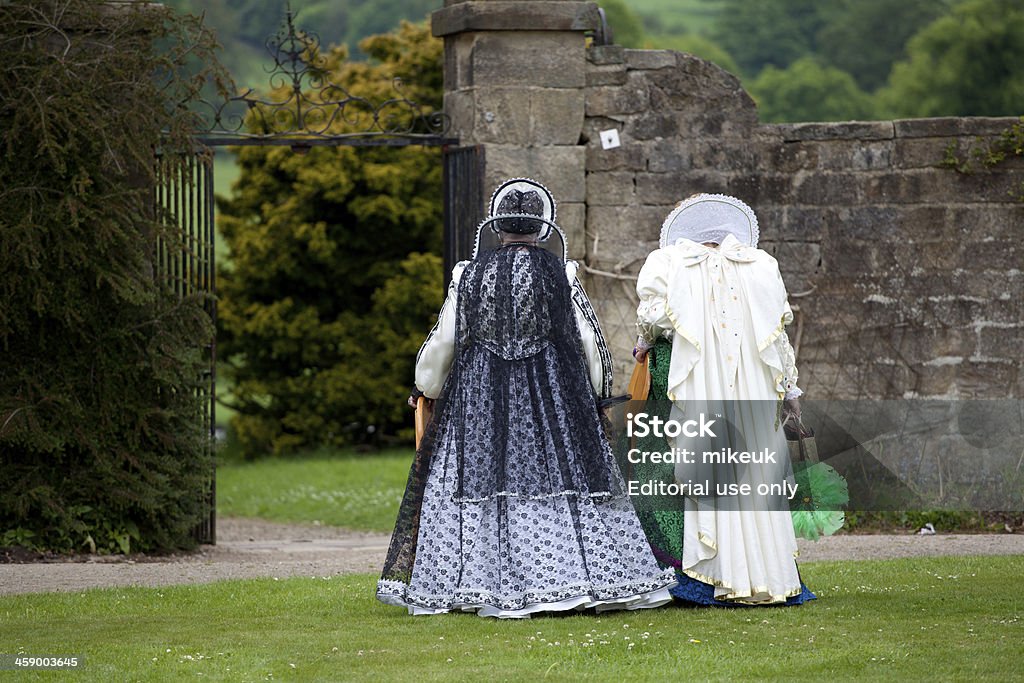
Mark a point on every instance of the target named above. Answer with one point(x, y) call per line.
point(514, 79)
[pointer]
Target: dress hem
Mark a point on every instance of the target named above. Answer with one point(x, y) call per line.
point(632, 596)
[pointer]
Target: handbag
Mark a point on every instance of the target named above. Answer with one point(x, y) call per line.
point(817, 509)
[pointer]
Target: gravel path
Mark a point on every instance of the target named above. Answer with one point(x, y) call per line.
point(250, 548)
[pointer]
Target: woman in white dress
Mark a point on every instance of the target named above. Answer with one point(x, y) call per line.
point(722, 303)
point(515, 504)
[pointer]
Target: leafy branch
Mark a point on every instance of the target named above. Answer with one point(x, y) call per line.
point(987, 153)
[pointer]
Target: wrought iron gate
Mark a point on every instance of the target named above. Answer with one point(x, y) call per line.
point(183, 200)
point(463, 203)
point(316, 112)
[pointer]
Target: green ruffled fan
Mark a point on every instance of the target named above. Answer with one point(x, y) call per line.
point(821, 494)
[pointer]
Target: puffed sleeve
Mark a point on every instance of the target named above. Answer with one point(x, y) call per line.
point(434, 360)
point(599, 358)
point(652, 287)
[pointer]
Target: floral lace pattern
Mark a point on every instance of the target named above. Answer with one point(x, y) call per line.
point(515, 498)
point(509, 553)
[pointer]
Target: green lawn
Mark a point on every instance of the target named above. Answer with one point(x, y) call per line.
point(349, 490)
point(225, 173)
point(927, 619)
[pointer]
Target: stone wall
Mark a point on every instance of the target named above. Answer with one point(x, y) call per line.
point(906, 277)
point(515, 81)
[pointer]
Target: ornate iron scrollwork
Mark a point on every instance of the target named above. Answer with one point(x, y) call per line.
point(313, 109)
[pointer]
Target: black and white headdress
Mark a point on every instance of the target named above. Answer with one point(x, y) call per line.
point(522, 206)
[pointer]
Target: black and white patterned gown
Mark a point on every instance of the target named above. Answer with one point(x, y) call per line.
point(514, 503)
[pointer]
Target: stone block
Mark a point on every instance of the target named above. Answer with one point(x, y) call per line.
point(848, 130)
point(460, 106)
point(672, 188)
point(922, 344)
point(986, 223)
point(802, 259)
point(749, 155)
point(653, 125)
point(790, 157)
point(617, 100)
point(924, 223)
point(537, 59)
point(702, 83)
point(662, 188)
point(973, 126)
point(999, 342)
point(620, 237)
point(849, 262)
point(560, 168)
point(611, 222)
point(827, 188)
point(952, 310)
point(628, 156)
point(883, 188)
point(650, 59)
point(946, 126)
point(606, 54)
point(556, 116)
point(651, 218)
point(920, 152)
point(886, 381)
point(509, 15)
point(933, 380)
point(1000, 284)
point(517, 115)
point(1001, 184)
point(802, 223)
point(458, 49)
point(500, 115)
point(572, 219)
point(611, 187)
point(863, 223)
point(986, 379)
point(605, 75)
point(757, 189)
point(771, 219)
point(845, 155)
point(941, 256)
point(822, 379)
point(669, 156)
point(1006, 253)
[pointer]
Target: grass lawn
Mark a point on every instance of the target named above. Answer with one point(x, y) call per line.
point(337, 489)
point(925, 619)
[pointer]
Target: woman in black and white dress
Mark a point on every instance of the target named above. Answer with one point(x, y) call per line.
point(515, 504)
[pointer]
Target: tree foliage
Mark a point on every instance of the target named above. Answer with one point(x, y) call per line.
point(768, 32)
point(866, 37)
point(627, 30)
point(964, 64)
point(101, 437)
point(243, 26)
point(809, 91)
point(330, 286)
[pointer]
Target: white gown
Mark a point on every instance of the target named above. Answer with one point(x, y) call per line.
point(725, 310)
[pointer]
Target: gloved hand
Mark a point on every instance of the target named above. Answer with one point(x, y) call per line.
point(414, 397)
